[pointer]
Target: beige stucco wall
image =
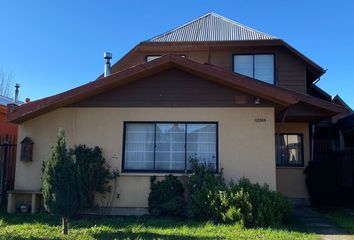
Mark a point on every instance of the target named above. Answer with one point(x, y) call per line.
point(291, 180)
point(246, 147)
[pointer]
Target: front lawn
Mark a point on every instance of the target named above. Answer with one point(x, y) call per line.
point(341, 218)
point(44, 226)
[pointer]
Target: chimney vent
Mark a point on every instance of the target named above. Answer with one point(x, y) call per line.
point(17, 86)
point(107, 67)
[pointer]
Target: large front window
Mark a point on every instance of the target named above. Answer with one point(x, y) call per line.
point(258, 66)
point(289, 150)
point(168, 146)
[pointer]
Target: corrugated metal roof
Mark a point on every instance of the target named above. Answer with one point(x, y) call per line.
point(5, 100)
point(211, 27)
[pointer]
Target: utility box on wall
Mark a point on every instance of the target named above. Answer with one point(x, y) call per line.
point(26, 149)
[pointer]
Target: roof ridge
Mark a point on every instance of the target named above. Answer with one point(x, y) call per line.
point(213, 14)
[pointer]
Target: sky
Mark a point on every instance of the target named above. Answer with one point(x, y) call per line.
point(52, 46)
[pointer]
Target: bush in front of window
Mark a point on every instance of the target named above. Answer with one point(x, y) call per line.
point(203, 186)
point(166, 197)
point(260, 206)
point(243, 202)
point(233, 206)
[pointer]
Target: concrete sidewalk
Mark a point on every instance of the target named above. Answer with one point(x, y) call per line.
point(320, 225)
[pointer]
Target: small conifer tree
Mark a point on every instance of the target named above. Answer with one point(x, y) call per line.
point(62, 192)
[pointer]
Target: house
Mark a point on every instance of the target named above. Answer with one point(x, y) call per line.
point(8, 139)
point(212, 89)
point(6, 128)
point(333, 147)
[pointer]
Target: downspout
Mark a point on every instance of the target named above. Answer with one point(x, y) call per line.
point(313, 130)
point(208, 54)
point(318, 79)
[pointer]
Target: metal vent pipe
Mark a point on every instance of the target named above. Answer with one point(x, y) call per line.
point(107, 67)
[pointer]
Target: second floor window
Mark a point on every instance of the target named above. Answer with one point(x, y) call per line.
point(151, 57)
point(258, 66)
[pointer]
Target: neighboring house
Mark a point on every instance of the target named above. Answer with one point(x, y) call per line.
point(231, 96)
point(8, 140)
point(333, 134)
point(6, 128)
point(345, 128)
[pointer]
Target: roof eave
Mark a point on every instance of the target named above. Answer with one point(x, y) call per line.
point(311, 65)
point(267, 91)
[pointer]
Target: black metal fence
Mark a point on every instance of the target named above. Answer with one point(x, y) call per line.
point(342, 162)
point(7, 165)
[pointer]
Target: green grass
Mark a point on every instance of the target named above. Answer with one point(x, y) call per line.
point(44, 226)
point(341, 218)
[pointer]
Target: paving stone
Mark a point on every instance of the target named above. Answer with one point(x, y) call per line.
point(318, 224)
point(349, 211)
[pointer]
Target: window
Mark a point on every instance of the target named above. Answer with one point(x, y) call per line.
point(258, 66)
point(152, 57)
point(149, 58)
point(168, 147)
point(289, 150)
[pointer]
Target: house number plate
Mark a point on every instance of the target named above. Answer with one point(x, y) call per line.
point(260, 120)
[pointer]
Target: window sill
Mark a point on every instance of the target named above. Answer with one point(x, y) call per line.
point(290, 167)
point(149, 174)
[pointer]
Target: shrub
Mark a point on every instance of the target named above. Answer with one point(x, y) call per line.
point(166, 197)
point(243, 202)
point(203, 191)
point(321, 181)
point(94, 171)
point(233, 206)
point(268, 207)
point(62, 193)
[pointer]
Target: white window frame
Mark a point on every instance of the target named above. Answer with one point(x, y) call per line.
point(187, 165)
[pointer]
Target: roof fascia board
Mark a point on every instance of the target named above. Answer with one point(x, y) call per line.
point(234, 80)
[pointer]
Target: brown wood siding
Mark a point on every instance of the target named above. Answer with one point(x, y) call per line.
point(134, 59)
point(290, 71)
point(200, 56)
point(224, 57)
point(172, 88)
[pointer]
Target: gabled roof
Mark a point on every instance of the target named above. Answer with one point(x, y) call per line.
point(211, 27)
point(338, 100)
point(261, 89)
point(213, 30)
